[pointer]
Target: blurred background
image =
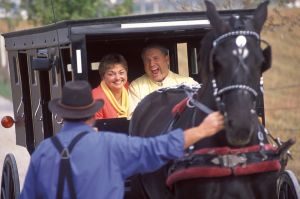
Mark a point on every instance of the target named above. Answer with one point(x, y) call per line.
point(282, 31)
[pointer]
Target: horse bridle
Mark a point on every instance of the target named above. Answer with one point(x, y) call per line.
point(241, 53)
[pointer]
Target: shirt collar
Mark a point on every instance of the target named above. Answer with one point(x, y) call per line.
point(75, 127)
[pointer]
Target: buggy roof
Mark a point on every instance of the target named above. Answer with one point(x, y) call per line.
point(46, 36)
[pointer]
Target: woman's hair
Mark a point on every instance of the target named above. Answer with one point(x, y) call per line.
point(109, 60)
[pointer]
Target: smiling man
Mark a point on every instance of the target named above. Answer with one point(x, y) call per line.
point(157, 75)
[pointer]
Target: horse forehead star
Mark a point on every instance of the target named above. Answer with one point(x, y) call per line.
point(241, 41)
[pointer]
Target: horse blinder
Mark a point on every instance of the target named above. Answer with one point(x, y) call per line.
point(267, 53)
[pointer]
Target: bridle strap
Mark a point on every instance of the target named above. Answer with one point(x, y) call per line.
point(223, 37)
point(235, 33)
point(191, 103)
point(218, 92)
point(235, 87)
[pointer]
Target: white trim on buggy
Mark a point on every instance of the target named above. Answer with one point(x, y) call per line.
point(79, 62)
point(165, 24)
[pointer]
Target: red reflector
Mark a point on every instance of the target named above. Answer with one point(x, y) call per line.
point(7, 121)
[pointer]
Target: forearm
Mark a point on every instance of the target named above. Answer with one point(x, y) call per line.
point(191, 136)
point(148, 154)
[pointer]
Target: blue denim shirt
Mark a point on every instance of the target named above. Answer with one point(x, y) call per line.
point(100, 161)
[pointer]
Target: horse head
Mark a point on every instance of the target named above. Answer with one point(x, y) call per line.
point(234, 66)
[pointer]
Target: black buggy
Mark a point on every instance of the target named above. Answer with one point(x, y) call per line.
point(42, 59)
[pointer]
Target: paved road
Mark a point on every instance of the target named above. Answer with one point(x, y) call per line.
point(8, 142)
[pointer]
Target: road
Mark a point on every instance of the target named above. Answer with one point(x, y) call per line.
point(8, 143)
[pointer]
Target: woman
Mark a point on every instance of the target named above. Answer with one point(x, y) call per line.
point(113, 87)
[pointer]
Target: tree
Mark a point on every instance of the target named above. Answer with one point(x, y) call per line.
point(7, 6)
point(124, 8)
point(10, 11)
point(196, 5)
point(40, 11)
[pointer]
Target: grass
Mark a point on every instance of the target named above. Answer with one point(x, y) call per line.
point(282, 81)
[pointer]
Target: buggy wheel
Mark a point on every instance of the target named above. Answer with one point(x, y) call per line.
point(288, 186)
point(10, 185)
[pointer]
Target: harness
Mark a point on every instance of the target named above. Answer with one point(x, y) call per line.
point(65, 170)
point(224, 161)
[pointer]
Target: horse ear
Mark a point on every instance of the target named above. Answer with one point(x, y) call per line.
point(214, 18)
point(260, 16)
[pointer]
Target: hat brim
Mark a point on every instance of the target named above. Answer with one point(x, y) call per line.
point(70, 113)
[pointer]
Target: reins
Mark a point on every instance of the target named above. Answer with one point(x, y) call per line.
point(190, 91)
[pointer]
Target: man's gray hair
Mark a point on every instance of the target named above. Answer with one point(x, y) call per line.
point(162, 49)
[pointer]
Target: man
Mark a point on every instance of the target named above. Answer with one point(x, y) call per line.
point(79, 162)
point(157, 75)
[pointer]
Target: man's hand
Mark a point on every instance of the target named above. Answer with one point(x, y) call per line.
point(212, 124)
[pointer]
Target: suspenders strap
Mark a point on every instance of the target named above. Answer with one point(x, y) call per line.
point(65, 170)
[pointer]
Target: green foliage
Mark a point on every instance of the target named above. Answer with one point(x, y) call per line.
point(121, 9)
point(7, 5)
point(41, 11)
point(5, 90)
point(9, 8)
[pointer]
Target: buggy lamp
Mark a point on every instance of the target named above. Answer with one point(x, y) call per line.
point(7, 121)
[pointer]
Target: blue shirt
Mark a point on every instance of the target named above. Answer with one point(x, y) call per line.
point(100, 161)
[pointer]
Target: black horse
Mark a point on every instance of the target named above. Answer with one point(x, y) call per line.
point(237, 162)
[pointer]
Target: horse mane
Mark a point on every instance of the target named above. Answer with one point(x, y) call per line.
point(203, 60)
point(203, 56)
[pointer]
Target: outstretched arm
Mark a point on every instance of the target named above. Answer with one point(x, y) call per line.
point(212, 124)
point(136, 154)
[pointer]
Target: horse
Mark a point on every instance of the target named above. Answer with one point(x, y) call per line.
point(237, 162)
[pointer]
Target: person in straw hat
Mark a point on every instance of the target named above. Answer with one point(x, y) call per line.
point(79, 162)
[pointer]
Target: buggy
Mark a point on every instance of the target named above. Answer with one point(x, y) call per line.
point(42, 59)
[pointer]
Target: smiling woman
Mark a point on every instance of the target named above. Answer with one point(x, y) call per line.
point(113, 87)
